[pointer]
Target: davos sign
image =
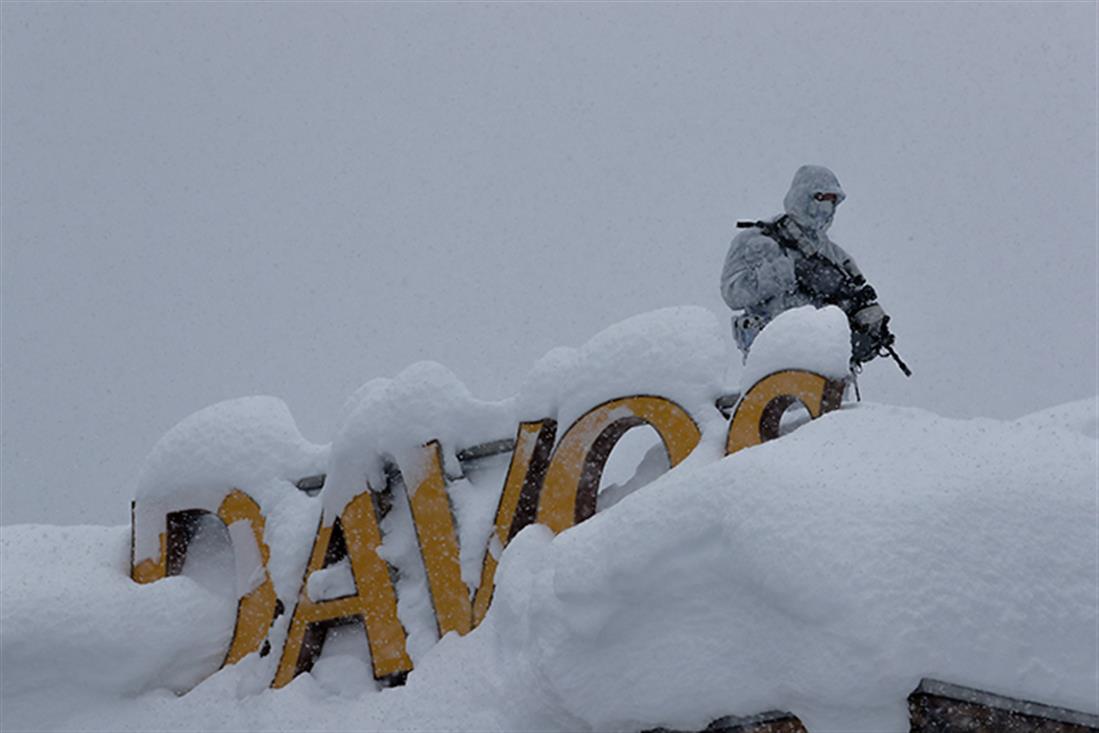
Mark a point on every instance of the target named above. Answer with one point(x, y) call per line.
point(552, 478)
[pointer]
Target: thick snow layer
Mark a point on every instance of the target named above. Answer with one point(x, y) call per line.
point(822, 573)
point(677, 353)
point(254, 445)
point(817, 340)
point(234, 444)
point(392, 419)
point(77, 633)
point(1079, 417)
point(251, 443)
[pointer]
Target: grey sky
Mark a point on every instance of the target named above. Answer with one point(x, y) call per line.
point(210, 200)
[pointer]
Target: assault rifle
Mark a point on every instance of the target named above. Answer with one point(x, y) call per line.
point(831, 284)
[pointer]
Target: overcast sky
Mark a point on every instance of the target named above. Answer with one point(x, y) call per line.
point(210, 200)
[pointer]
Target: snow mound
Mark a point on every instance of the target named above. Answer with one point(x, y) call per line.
point(392, 419)
point(677, 353)
point(816, 340)
point(824, 573)
point(1079, 417)
point(240, 443)
point(76, 633)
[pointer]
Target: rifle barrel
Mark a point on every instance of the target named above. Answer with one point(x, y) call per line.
point(900, 362)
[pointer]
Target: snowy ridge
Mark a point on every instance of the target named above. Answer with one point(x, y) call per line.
point(823, 573)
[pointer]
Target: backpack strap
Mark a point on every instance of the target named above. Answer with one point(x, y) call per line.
point(775, 230)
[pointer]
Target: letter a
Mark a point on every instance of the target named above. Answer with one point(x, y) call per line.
point(355, 535)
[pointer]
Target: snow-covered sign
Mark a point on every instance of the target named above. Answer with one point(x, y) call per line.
point(405, 535)
point(824, 573)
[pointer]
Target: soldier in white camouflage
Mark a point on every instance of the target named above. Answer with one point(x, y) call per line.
point(789, 261)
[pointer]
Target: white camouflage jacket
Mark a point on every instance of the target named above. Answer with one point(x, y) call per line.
point(762, 278)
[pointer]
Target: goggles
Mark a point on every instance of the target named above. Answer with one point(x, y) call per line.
point(834, 198)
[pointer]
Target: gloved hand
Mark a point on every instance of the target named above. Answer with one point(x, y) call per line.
point(869, 333)
point(863, 296)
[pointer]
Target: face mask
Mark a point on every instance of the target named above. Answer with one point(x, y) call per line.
point(821, 209)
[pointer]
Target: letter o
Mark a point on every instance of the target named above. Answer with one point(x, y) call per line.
point(758, 414)
point(572, 480)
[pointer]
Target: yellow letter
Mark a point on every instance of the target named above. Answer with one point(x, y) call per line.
point(572, 480)
point(355, 535)
point(151, 568)
point(439, 546)
point(255, 609)
point(518, 502)
point(759, 412)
